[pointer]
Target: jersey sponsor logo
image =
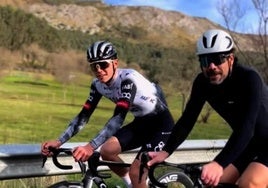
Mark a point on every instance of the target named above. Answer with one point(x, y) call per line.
point(165, 133)
point(152, 100)
point(90, 98)
point(160, 146)
point(144, 98)
point(148, 98)
point(127, 86)
point(126, 95)
point(93, 91)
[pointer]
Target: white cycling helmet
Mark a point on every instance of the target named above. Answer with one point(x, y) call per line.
point(214, 41)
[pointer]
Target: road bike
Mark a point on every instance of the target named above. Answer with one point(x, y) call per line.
point(91, 176)
point(181, 175)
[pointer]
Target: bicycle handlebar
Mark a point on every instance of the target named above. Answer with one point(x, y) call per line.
point(93, 162)
point(193, 169)
point(56, 152)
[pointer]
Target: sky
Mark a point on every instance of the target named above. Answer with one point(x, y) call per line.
point(200, 8)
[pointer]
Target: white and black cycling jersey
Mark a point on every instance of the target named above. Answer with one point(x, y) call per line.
point(130, 91)
point(131, 86)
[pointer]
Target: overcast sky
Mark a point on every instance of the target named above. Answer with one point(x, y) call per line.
point(200, 8)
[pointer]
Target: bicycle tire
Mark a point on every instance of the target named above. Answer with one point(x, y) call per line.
point(67, 184)
point(175, 179)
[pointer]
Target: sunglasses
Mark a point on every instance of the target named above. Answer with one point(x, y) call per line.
point(216, 59)
point(100, 65)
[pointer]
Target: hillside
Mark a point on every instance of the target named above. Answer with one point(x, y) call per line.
point(143, 36)
point(168, 28)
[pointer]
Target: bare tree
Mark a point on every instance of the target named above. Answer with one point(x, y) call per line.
point(232, 13)
point(261, 7)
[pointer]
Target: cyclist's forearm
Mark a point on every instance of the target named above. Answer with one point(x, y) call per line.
point(110, 129)
point(177, 137)
point(73, 128)
point(77, 123)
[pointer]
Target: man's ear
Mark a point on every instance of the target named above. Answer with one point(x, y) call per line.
point(231, 59)
point(115, 62)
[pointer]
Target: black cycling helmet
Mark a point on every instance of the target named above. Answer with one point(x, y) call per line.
point(101, 50)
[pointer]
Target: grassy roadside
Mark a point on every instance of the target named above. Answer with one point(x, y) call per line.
point(36, 108)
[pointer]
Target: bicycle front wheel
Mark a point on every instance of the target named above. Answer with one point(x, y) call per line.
point(67, 184)
point(175, 179)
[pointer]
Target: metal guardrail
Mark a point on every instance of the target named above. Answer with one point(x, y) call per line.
point(25, 160)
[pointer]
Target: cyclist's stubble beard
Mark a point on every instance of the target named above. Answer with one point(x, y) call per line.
point(216, 77)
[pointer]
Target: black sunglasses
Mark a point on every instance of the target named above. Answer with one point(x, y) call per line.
point(100, 65)
point(216, 59)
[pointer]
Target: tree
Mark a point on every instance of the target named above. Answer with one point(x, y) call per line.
point(262, 10)
point(232, 13)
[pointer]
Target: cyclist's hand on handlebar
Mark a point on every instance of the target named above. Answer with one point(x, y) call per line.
point(211, 173)
point(82, 153)
point(157, 157)
point(46, 145)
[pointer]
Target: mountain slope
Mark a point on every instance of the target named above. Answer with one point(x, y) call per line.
point(168, 28)
point(135, 24)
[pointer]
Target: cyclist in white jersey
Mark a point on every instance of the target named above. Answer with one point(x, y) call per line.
point(130, 91)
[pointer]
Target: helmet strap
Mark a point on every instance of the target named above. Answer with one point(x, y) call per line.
point(107, 83)
point(230, 65)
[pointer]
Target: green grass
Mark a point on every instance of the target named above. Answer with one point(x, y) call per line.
point(35, 108)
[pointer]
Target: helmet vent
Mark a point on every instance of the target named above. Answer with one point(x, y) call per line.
point(230, 42)
point(213, 41)
point(205, 42)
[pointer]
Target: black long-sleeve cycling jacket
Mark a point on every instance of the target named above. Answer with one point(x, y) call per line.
point(241, 100)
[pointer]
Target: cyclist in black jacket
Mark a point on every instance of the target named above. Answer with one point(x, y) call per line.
point(239, 95)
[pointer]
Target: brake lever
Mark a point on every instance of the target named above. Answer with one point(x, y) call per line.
point(82, 167)
point(44, 160)
point(144, 159)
